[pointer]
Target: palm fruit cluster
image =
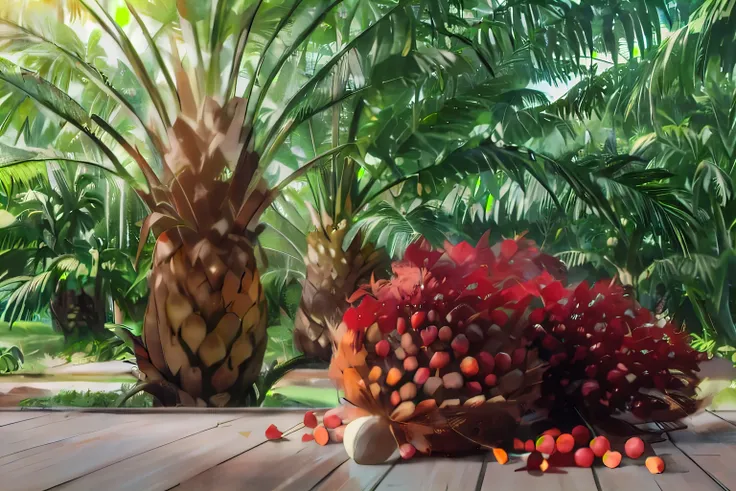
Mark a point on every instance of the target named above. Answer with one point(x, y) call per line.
point(333, 273)
point(448, 328)
point(609, 355)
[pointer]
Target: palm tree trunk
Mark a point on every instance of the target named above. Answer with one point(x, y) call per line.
point(333, 274)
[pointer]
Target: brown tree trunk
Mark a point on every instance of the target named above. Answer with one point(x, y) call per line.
point(333, 274)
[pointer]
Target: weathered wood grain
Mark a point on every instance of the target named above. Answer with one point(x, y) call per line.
point(681, 473)
point(111, 441)
point(11, 417)
point(434, 473)
point(711, 443)
point(353, 477)
point(168, 465)
point(285, 465)
point(53, 428)
point(506, 477)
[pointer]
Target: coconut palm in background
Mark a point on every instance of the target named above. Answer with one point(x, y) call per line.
point(209, 116)
point(443, 124)
point(672, 108)
point(389, 114)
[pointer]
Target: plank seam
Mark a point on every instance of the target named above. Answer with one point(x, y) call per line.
point(290, 430)
point(719, 483)
point(722, 419)
point(216, 425)
point(595, 479)
point(329, 474)
point(482, 475)
point(378, 483)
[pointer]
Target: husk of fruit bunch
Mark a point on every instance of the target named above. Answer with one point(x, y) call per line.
point(541, 348)
point(441, 351)
point(610, 357)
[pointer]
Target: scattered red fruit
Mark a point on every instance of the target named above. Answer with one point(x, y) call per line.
point(490, 380)
point(529, 446)
point(611, 459)
point(655, 465)
point(421, 376)
point(565, 443)
point(460, 344)
point(534, 461)
point(307, 437)
point(417, 319)
point(600, 445)
point(469, 366)
point(486, 361)
point(395, 398)
point(273, 433)
point(634, 447)
point(338, 434)
point(546, 444)
point(321, 435)
point(501, 456)
point(332, 421)
point(383, 348)
point(553, 432)
point(439, 360)
point(407, 451)
point(584, 457)
point(503, 362)
point(518, 445)
point(310, 420)
point(581, 434)
point(401, 325)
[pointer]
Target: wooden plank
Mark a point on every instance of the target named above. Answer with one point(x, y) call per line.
point(681, 473)
point(12, 417)
point(52, 428)
point(353, 477)
point(729, 416)
point(166, 466)
point(51, 465)
point(711, 443)
point(434, 473)
point(506, 477)
point(286, 465)
point(24, 426)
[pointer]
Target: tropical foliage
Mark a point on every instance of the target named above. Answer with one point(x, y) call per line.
point(220, 175)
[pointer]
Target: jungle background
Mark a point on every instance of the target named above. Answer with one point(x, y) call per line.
point(603, 130)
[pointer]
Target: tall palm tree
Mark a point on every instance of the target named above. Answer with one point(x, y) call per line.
point(472, 69)
point(194, 129)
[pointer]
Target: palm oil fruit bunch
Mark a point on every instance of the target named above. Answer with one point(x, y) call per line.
point(609, 355)
point(449, 328)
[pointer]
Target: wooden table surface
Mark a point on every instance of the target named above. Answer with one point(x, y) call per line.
point(227, 450)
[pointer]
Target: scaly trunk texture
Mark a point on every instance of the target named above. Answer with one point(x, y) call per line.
point(333, 274)
point(207, 316)
point(204, 333)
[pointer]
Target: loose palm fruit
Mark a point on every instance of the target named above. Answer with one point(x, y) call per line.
point(546, 444)
point(634, 447)
point(565, 443)
point(655, 465)
point(611, 459)
point(600, 445)
point(584, 457)
point(581, 434)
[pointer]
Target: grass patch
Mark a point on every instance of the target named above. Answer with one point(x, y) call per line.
point(27, 327)
point(294, 396)
point(74, 398)
point(35, 340)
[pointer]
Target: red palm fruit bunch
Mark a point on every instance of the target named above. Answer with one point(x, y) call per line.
point(440, 349)
point(610, 356)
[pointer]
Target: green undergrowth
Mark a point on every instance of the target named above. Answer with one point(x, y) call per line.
point(74, 398)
